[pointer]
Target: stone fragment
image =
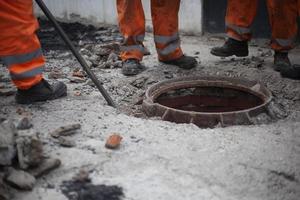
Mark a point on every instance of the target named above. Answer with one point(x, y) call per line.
point(102, 51)
point(79, 74)
point(139, 82)
point(29, 148)
point(24, 124)
point(65, 130)
point(77, 80)
point(56, 74)
point(65, 142)
point(113, 142)
point(113, 57)
point(7, 142)
point(93, 59)
point(82, 176)
point(77, 93)
point(45, 167)
point(7, 91)
point(4, 194)
point(20, 179)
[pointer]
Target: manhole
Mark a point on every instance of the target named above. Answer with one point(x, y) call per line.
point(207, 101)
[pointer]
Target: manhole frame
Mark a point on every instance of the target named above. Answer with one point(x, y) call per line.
point(205, 119)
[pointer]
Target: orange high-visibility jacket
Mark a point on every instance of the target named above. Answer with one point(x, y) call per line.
point(282, 16)
point(165, 24)
point(20, 48)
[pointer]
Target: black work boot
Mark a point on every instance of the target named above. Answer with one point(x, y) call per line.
point(184, 62)
point(292, 72)
point(132, 67)
point(281, 61)
point(42, 91)
point(231, 47)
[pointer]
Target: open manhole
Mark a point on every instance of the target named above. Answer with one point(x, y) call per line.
point(207, 101)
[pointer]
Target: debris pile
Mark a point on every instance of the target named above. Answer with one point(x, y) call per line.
point(21, 157)
point(99, 46)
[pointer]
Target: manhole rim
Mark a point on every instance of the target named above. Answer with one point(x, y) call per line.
point(149, 99)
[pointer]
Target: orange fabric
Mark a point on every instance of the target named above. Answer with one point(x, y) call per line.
point(165, 23)
point(240, 13)
point(27, 66)
point(283, 20)
point(132, 24)
point(17, 37)
point(282, 17)
point(28, 82)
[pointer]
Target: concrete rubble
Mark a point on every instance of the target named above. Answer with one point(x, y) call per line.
point(7, 143)
point(20, 179)
point(22, 159)
point(156, 159)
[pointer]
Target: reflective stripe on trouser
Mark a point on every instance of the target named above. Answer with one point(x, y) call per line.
point(165, 26)
point(167, 45)
point(132, 25)
point(239, 18)
point(19, 45)
point(283, 20)
point(282, 17)
point(133, 45)
point(25, 69)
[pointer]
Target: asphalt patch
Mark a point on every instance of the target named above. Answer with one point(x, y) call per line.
point(79, 190)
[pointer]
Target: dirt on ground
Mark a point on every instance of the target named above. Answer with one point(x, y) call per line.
point(157, 159)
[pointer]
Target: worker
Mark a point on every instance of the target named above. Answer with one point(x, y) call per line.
point(294, 71)
point(21, 52)
point(165, 26)
point(239, 17)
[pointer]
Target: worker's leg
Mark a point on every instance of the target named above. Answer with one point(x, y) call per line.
point(19, 46)
point(166, 36)
point(132, 26)
point(283, 20)
point(294, 70)
point(20, 50)
point(239, 18)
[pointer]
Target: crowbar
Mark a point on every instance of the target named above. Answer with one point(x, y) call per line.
point(80, 59)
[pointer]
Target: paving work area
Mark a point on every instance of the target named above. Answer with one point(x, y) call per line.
point(157, 159)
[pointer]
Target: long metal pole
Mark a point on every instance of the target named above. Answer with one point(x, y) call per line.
point(76, 53)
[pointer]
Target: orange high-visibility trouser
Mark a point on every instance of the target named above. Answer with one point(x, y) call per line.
point(282, 16)
point(165, 24)
point(20, 48)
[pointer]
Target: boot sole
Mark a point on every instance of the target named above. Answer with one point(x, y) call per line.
point(186, 67)
point(227, 55)
point(20, 99)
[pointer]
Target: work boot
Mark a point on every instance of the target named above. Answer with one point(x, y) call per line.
point(281, 61)
point(292, 72)
point(231, 47)
point(132, 67)
point(184, 62)
point(42, 91)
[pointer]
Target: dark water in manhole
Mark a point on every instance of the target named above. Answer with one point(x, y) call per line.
point(209, 99)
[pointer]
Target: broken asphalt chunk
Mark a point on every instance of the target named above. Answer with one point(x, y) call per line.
point(65, 130)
